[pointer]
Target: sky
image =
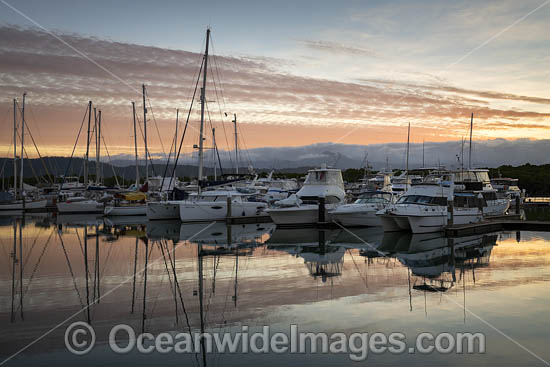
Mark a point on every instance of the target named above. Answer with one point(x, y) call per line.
point(296, 73)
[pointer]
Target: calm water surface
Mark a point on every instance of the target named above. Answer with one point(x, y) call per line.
point(214, 278)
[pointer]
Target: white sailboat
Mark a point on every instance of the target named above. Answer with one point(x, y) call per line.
point(205, 205)
point(81, 204)
point(19, 201)
point(212, 205)
point(129, 206)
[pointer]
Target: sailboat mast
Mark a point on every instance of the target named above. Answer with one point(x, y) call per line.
point(203, 103)
point(408, 141)
point(423, 142)
point(22, 142)
point(462, 156)
point(135, 144)
point(214, 152)
point(175, 151)
point(470, 147)
point(98, 149)
point(87, 143)
point(15, 147)
point(236, 146)
point(145, 135)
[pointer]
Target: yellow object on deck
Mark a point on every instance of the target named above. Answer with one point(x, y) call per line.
point(134, 196)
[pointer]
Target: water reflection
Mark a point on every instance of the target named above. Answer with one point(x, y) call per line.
point(162, 276)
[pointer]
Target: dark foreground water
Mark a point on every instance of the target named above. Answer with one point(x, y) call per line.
point(210, 278)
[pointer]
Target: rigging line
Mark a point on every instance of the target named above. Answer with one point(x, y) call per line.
point(38, 151)
point(76, 142)
point(31, 166)
point(25, 153)
point(6, 159)
point(217, 68)
point(212, 128)
point(222, 121)
point(197, 72)
point(244, 143)
point(70, 270)
point(34, 242)
point(357, 268)
point(172, 144)
point(37, 126)
point(210, 295)
point(106, 262)
point(148, 153)
point(219, 159)
point(153, 308)
point(186, 124)
point(172, 289)
point(37, 263)
point(110, 160)
point(155, 121)
point(173, 265)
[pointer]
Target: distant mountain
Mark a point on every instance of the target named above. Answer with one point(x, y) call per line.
point(488, 153)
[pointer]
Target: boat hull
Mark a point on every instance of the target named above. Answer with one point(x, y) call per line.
point(419, 220)
point(496, 207)
point(18, 205)
point(90, 206)
point(163, 210)
point(304, 214)
point(126, 210)
point(357, 218)
point(389, 223)
point(217, 210)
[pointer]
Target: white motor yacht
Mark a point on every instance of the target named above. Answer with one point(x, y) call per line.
point(363, 211)
point(423, 208)
point(476, 181)
point(303, 208)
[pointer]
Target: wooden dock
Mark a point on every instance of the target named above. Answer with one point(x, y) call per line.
point(248, 220)
point(496, 226)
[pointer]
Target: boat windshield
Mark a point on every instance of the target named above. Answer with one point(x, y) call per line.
point(374, 198)
point(472, 176)
point(422, 200)
point(329, 177)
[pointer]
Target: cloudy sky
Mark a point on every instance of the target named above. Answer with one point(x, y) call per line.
point(295, 72)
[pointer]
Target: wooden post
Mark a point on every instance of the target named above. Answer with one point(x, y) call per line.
point(450, 210)
point(321, 213)
point(228, 215)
